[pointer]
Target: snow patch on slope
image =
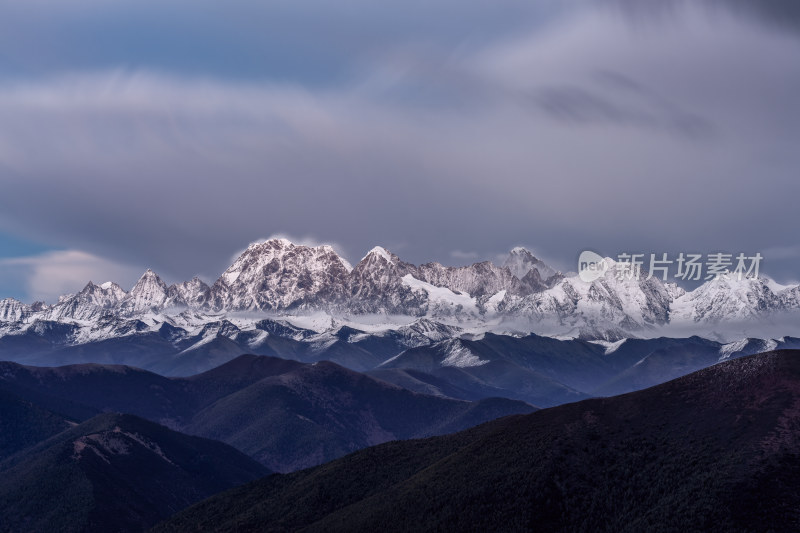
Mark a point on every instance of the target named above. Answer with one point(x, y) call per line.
point(441, 299)
point(610, 347)
point(726, 350)
point(460, 356)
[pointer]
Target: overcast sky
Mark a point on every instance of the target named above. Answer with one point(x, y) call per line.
point(170, 134)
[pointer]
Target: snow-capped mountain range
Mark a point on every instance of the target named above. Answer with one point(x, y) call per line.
point(280, 278)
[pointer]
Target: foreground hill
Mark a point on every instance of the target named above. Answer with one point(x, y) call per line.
point(715, 451)
point(114, 473)
point(286, 414)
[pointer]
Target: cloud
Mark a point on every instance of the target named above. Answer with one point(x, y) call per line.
point(49, 275)
point(315, 42)
point(784, 14)
point(683, 136)
point(783, 252)
point(614, 98)
point(462, 256)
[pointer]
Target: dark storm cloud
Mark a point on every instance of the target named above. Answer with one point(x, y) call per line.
point(585, 132)
point(777, 13)
point(637, 107)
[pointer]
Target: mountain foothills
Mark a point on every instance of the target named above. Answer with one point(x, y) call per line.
point(713, 451)
point(424, 356)
point(70, 461)
point(285, 414)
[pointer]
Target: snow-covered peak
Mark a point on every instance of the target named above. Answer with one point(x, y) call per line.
point(93, 301)
point(731, 298)
point(149, 294)
point(282, 250)
point(276, 243)
point(381, 253)
point(277, 274)
point(12, 310)
point(607, 303)
point(520, 261)
point(109, 291)
point(193, 293)
point(280, 277)
point(89, 287)
point(148, 280)
point(375, 285)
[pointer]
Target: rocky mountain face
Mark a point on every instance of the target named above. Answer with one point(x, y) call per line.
point(480, 280)
point(727, 299)
point(193, 294)
point(521, 263)
point(376, 285)
point(148, 295)
point(12, 310)
point(631, 305)
point(92, 302)
point(280, 277)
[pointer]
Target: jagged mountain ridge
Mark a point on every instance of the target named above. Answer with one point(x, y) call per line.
point(278, 277)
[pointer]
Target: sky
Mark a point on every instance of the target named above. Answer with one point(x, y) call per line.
point(171, 134)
